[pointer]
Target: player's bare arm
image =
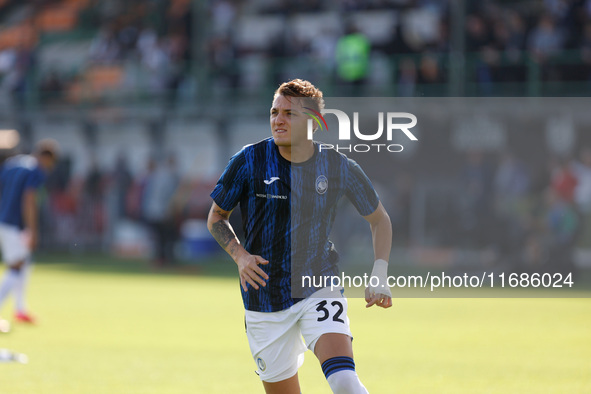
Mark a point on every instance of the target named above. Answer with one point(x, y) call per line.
point(381, 232)
point(219, 226)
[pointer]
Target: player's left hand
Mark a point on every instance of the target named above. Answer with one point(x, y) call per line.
point(372, 298)
point(379, 294)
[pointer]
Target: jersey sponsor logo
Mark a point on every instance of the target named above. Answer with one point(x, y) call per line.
point(261, 364)
point(321, 184)
point(271, 196)
point(273, 179)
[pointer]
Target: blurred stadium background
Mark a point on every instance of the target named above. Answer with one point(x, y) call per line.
point(138, 92)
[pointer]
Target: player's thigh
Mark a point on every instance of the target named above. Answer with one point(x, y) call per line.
point(276, 344)
point(14, 249)
point(325, 321)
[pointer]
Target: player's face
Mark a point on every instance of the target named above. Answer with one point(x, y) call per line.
point(47, 162)
point(288, 122)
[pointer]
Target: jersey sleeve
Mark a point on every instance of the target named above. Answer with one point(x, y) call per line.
point(360, 191)
point(35, 179)
point(232, 184)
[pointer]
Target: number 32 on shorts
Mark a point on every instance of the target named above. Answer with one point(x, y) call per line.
point(321, 307)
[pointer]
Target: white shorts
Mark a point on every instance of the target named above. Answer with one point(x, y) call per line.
point(275, 338)
point(13, 245)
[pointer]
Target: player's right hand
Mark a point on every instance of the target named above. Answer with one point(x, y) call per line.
point(250, 272)
point(31, 239)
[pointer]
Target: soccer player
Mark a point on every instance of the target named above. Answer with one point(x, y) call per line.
point(20, 178)
point(288, 189)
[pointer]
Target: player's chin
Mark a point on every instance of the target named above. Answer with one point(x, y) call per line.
point(281, 140)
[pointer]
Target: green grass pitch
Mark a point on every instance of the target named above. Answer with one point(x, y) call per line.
point(110, 326)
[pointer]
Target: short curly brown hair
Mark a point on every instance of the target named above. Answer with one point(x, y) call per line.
point(302, 88)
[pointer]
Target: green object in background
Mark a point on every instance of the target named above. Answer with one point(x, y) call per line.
point(353, 57)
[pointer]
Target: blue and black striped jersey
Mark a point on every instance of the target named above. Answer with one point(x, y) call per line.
point(17, 174)
point(288, 210)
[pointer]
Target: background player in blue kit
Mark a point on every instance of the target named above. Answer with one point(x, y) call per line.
point(287, 218)
point(20, 178)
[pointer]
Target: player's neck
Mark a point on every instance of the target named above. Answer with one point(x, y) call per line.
point(297, 153)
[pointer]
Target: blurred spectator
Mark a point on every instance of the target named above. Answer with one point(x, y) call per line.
point(564, 224)
point(323, 49)
point(582, 171)
point(180, 20)
point(352, 58)
point(398, 44)
point(509, 40)
point(545, 40)
point(511, 185)
point(516, 33)
point(160, 186)
point(223, 14)
point(60, 178)
point(429, 72)
point(487, 70)
point(586, 53)
point(408, 78)
point(157, 62)
point(477, 33)
point(178, 53)
point(563, 181)
point(93, 200)
point(52, 87)
point(192, 201)
point(557, 8)
point(401, 208)
point(127, 34)
point(222, 60)
point(475, 210)
point(93, 186)
point(121, 183)
point(105, 47)
point(17, 64)
point(135, 197)
point(511, 178)
point(147, 40)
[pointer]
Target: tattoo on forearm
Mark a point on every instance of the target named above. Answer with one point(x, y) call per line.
point(222, 213)
point(232, 249)
point(222, 232)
